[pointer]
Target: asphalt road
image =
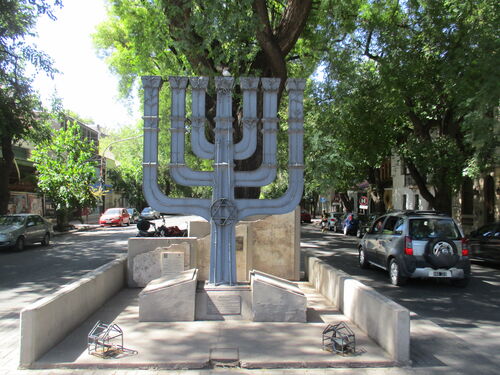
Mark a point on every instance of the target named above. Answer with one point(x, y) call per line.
point(472, 313)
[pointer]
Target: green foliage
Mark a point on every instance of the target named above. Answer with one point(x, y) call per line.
point(66, 169)
point(435, 66)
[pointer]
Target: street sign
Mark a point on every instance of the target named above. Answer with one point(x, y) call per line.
point(363, 202)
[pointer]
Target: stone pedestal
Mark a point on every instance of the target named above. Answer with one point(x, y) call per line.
point(223, 302)
point(276, 300)
point(169, 300)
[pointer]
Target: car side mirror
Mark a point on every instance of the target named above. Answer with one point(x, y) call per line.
point(30, 224)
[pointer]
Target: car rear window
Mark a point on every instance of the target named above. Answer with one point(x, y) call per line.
point(424, 228)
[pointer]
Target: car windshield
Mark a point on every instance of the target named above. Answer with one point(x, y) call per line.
point(113, 211)
point(425, 228)
point(12, 220)
point(130, 211)
point(146, 210)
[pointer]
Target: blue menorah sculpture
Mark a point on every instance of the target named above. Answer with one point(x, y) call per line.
point(223, 211)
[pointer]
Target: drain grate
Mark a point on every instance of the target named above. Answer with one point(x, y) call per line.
point(224, 357)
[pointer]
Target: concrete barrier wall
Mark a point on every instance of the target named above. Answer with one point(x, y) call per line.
point(46, 322)
point(385, 321)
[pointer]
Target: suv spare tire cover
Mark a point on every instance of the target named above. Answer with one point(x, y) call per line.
point(143, 225)
point(441, 253)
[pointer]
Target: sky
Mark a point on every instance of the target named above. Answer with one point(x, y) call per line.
point(85, 85)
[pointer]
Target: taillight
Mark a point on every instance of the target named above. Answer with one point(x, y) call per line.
point(465, 247)
point(408, 246)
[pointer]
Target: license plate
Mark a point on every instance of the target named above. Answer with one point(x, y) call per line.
point(439, 274)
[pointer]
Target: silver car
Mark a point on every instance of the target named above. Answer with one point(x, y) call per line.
point(417, 244)
point(17, 230)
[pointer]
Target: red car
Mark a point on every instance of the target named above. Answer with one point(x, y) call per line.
point(115, 216)
point(305, 217)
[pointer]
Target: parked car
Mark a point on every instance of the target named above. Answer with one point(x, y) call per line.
point(149, 213)
point(305, 217)
point(417, 244)
point(115, 216)
point(365, 222)
point(350, 224)
point(333, 219)
point(17, 230)
point(485, 243)
point(134, 215)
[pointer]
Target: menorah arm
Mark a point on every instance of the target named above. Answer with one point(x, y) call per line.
point(200, 145)
point(184, 175)
point(248, 143)
point(266, 173)
point(159, 201)
point(286, 203)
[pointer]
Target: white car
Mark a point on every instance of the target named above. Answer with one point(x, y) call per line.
point(149, 213)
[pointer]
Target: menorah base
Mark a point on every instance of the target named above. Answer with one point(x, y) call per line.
point(266, 298)
point(223, 302)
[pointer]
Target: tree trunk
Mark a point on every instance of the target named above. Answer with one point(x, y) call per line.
point(377, 189)
point(6, 168)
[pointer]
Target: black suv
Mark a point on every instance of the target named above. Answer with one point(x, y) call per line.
point(417, 244)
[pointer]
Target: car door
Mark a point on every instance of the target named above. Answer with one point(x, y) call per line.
point(391, 233)
point(33, 229)
point(491, 244)
point(371, 239)
point(481, 242)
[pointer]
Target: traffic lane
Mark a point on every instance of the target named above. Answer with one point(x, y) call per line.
point(66, 258)
point(476, 305)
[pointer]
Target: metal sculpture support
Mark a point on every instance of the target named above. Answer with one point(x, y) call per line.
point(223, 211)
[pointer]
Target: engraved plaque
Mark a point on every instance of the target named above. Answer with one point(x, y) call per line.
point(224, 305)
point(172, 264)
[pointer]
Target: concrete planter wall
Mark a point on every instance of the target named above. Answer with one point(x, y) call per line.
point(385, 321)
point(47, 321)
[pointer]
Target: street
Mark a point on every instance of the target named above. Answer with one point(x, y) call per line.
point(468, 317)
point(470, 313)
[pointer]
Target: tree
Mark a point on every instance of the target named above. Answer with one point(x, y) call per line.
point(20, 107)
point(437, 64)
point(250, 37)
point(66, 169)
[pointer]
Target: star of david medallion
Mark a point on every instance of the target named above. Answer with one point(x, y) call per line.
point(223, 211)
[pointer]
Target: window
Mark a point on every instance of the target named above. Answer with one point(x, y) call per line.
point(404, 202)
point(416, 202)
point(377, 225)
point(390, 224)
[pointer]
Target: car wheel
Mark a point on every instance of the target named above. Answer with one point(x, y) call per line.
point(19, 246)
point(128, 223)
point(46, 239)
point(395, 273)
point(460, 283)
point(363, 263)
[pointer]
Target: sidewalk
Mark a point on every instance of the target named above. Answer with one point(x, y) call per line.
point(284, 348)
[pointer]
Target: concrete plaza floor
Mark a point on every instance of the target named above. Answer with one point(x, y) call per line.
point(208, 344)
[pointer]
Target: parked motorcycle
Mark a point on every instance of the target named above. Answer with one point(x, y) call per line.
point(162, 231)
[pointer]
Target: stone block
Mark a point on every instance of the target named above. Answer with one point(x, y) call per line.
point(276, 300)
point(169, 300)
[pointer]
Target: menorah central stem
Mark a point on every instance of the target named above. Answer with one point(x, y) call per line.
point(223, 211)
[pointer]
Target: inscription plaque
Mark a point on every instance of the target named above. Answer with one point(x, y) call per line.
point(172, 264)
point(224, 305)
point(239, 243)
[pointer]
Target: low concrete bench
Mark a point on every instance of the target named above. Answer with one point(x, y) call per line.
point(48, 321)
point(385, 321)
